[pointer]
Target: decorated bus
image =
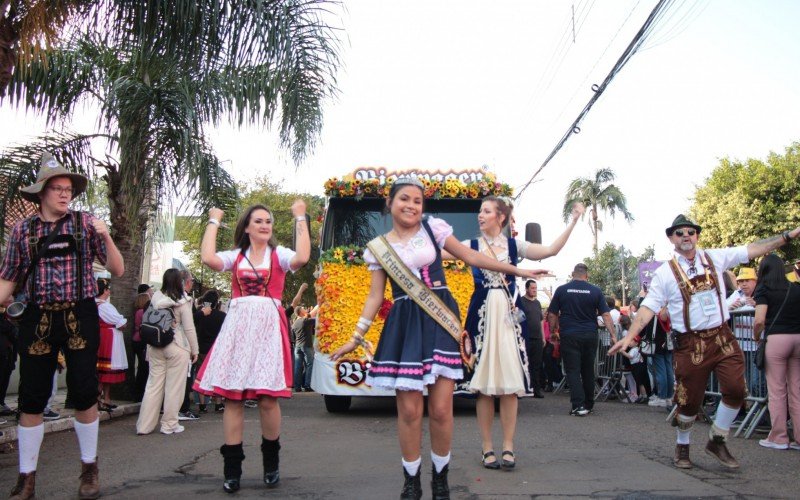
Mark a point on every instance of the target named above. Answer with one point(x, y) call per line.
point(354, 215)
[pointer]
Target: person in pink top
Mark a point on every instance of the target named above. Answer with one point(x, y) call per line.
point(251, 358)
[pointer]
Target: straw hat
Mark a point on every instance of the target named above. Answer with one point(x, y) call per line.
point(51, 168)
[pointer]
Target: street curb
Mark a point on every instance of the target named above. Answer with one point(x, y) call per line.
point(9, 434)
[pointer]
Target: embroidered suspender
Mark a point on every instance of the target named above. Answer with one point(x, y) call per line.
point(687, 289)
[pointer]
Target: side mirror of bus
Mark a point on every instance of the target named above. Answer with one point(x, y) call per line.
point(533, 233)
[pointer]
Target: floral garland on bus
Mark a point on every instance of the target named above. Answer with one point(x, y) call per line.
point(343, 286)
point(448, 188)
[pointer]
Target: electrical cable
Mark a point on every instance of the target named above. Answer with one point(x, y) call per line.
point(633, 46)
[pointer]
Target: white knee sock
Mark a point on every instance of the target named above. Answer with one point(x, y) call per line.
point(412, 467)
point(685, 436)
point(30, 441)
point(440, 461)
point(87, 440)
point(725, 416)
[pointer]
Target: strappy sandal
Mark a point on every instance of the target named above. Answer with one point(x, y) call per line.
point(508, 464)
point(494, 465)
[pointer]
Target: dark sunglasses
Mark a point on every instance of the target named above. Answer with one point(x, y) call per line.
point(681, 232)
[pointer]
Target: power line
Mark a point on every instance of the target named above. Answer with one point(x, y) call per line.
point(589, 73)
point(632, 48)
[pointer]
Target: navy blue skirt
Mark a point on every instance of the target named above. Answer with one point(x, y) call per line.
point(414, 349)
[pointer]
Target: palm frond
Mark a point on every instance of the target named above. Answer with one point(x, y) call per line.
point(20, 163)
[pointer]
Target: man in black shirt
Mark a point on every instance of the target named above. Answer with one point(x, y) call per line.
point(572, 316)
point(534, 343)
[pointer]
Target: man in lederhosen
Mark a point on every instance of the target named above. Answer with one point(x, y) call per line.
point(691, 286)
point(61, 314)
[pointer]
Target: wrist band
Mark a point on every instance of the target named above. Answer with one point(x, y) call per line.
point(637, 339)
point(786, 237)
point(300, 218)
point(213, 221)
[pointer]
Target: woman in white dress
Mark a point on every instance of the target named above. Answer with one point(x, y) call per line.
point(501, 369)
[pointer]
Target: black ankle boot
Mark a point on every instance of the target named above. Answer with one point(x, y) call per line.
point(439, 487)
point(269, 452)
point(232, 455)
point(412, 488)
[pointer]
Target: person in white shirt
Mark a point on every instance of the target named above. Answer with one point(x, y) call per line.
point(690, 285)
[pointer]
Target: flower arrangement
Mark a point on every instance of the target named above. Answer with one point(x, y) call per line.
point(342, 288)
point(347, 254)
point(436, 189)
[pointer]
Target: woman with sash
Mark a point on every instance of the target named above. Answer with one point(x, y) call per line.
point(251, 358)
point(501, 368)
point(416, 350)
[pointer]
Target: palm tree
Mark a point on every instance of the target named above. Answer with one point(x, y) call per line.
point(158, 72)
point(27, 28)
point(597, 194)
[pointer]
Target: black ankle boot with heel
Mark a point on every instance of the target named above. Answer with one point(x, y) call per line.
point(440, 490)
point(270, 453)
point(232, 455)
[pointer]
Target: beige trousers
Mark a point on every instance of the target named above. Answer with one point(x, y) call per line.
point(169, 367)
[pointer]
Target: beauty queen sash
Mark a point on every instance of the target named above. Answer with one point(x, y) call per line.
point(416, 290)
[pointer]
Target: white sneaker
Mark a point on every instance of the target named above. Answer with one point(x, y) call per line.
point(794, 446)
point(657, 401)
point(766, 443)
point(177, 430)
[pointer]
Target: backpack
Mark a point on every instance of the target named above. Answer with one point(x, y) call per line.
point(156, 329)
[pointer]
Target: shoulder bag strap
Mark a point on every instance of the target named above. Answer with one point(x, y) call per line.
point(36, 255)
point(779, 311)
point(505, 285)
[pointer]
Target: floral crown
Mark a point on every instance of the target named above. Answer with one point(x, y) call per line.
point(507, 200)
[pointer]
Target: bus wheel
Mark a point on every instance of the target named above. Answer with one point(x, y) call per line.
point(337, 404)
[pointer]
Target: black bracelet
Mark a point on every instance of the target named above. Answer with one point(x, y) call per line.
point(786, 237)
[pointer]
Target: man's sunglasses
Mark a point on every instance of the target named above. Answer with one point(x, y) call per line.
point(681, 232)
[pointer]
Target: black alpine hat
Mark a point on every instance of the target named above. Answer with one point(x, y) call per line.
point(682, 221)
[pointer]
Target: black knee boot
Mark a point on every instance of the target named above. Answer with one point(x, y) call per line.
point(269, 452)
point(232, 455)
point(439, 486)
point(412, 488)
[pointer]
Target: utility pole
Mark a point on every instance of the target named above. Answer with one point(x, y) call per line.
point(622, 267)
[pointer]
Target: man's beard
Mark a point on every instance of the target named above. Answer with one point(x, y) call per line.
point(686, 246)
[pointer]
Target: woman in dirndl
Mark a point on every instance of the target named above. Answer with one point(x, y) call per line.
point(252, 358)
point(414, 352)
point(112, 360)
point(502, 368)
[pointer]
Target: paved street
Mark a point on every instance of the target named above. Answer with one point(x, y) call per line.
point(621, 451)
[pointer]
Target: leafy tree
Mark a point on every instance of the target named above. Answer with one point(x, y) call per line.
point(159, 72)
point(744, 201)
point(605, 269)
point(597, 194)
point(260, 191)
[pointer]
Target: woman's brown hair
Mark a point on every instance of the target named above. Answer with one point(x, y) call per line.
point(503, 207)
point(241, 239)
point(141, 301)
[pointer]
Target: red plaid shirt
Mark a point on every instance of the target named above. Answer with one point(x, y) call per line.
point(56, 277)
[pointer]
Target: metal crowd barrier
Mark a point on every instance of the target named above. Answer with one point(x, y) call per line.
point(608, 370)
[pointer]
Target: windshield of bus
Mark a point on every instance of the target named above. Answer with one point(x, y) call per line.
point(354, 222)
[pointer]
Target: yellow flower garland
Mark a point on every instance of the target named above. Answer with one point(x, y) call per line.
point(342, 290)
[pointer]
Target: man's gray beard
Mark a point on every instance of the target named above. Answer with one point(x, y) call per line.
point(686, 246)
